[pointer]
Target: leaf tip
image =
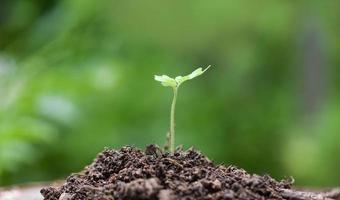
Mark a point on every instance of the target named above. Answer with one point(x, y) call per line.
point(207, 68)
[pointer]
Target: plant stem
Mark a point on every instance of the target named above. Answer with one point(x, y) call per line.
point(172, 121)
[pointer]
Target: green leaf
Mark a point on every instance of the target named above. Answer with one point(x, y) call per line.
point(167, 81)
point(194, 74)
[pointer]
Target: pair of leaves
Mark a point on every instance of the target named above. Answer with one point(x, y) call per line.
point(176, 82)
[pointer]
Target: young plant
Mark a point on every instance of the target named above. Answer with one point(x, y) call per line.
point(174, 83)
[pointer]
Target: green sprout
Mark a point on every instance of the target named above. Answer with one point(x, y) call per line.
point(174, 83)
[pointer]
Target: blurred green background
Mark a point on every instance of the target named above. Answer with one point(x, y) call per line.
point(77, 75)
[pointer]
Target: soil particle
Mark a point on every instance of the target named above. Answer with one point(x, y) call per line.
point(130, 173)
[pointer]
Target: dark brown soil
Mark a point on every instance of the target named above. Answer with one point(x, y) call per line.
point(130, 173)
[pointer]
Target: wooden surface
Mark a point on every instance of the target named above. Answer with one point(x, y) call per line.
point(21, 193)
point(25, 192)
point(32, 192)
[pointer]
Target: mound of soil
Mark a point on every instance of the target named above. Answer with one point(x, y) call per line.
point(130, 173)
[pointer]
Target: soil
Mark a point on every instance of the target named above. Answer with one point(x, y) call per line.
point(130, 173)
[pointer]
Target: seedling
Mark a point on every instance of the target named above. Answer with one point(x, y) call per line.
point(174, 83)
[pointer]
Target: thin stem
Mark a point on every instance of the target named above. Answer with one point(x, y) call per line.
point(172, 121)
